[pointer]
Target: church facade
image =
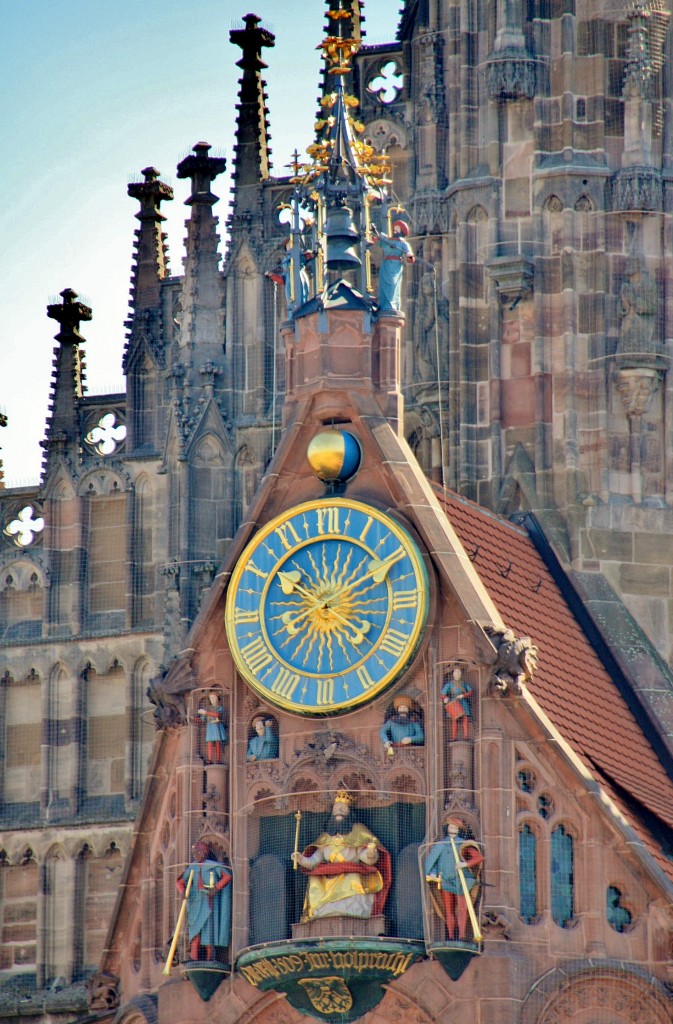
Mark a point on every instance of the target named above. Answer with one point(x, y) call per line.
point(371, 565)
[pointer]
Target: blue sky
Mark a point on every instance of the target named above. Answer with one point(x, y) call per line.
point(90, 93)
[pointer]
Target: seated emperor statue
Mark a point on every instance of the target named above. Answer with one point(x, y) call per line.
point(349, 871)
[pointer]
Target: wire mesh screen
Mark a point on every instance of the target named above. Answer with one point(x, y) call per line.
point(356, 866)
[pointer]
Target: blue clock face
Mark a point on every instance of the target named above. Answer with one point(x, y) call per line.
point(326, 606)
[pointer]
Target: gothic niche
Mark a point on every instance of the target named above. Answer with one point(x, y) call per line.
point(638, 374)
point(210, 719)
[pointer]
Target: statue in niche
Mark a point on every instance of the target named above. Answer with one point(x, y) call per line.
point(349, 871)
point(208, 904)
point(452, 869)
point(263, 741)
point(430, 332)
point(637, 312)
point(457, 700)
point(403, 727)
point(216, 731)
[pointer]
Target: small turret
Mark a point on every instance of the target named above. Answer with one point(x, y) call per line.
point(68, 379)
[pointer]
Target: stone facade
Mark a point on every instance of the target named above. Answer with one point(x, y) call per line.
point(529, 145)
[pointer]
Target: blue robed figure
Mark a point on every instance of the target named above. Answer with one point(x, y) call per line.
point(396, 253)
point(208, 903)
point(402, 729)
point(263, 746)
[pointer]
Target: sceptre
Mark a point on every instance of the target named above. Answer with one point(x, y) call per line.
point(476, 931)
point(178, 927)
point(296, 839)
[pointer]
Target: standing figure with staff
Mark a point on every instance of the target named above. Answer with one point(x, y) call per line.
point(208, 901)
point(453, 866)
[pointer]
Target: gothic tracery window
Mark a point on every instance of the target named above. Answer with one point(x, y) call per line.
point(562, 876)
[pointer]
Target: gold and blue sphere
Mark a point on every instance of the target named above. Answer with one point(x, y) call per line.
point(334, 456)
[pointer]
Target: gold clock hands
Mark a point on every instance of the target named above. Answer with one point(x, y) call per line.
point(290, 620)
point(358, 633)
point(378, 570)
point(289, 584)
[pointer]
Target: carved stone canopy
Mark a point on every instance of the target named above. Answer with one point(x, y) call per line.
point(512, 276)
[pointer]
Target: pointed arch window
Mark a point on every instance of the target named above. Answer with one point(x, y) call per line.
point(527, 874)
point(562, 877)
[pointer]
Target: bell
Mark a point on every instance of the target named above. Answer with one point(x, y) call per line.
point(342, 237)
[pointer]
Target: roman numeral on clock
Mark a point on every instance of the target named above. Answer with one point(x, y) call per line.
point(282, 532)
point(256, 655)
point(325, 689)
point(328, 520)
point(394, 642)
point(365, 678)
point(243, 617)
point(285, 683)
point(404, 599)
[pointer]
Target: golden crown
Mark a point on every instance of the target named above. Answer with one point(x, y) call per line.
point(342, 796)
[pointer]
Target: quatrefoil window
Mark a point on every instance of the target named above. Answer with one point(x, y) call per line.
point(387, 85)
point(25, 527)
point(105, 437)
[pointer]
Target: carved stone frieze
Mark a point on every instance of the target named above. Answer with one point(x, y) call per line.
point(615, 989)
point(326, 747)
point(410, 757)
point(510, 74)
point(636, 188)
point(430, 212)
point(266, 771)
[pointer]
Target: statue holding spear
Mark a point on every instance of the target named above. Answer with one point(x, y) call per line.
point(206, 887)
point(454, 869)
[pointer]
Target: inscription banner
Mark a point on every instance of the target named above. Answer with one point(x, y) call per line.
point(330, 979)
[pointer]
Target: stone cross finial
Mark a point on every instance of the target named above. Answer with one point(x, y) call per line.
point(69, 314)
point(251, 39)
point(202, 169)
point(150, 193)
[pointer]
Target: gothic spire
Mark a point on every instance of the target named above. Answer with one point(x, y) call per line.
point(150, 261)
point(251, 162)
point(202, 296)
point(67, 379)
point(151, 251)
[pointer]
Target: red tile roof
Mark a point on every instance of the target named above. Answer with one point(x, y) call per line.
point(571, 683)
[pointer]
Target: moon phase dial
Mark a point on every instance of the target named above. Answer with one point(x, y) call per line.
point(326, 606)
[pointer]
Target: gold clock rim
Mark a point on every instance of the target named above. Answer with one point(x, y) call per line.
point(412, 550)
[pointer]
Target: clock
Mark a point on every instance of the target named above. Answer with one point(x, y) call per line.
point(326, 606)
